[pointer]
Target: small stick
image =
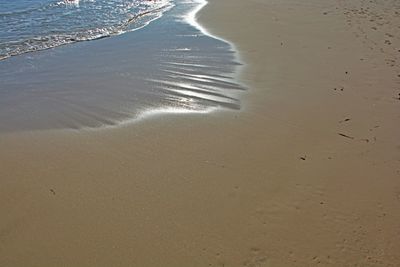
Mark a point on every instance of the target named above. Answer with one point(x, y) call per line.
point(345, 135)
point(344, 120)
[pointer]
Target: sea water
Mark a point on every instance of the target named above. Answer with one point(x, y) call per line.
point(156, 59)
point(32, 25)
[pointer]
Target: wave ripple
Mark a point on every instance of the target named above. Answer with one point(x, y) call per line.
point(28, 26)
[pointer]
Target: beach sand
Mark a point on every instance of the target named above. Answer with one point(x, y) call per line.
point(306, 174)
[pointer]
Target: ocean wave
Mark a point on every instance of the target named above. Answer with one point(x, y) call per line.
point(125, 16)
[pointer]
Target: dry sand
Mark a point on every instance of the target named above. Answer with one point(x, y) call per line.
point(307, 174)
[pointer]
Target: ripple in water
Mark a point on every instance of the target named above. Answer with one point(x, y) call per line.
point(168, 65)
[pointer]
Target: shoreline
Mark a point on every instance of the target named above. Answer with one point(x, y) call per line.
point(272, 185)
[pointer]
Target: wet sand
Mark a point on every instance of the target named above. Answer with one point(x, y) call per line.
point(306, 174)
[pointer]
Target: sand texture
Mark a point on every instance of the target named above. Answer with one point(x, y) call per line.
point(306, 174)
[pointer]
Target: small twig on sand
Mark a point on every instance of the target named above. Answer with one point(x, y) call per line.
point(344, 120)
point(345, 135)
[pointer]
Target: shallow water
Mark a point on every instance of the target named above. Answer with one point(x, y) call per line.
point(169, 65)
